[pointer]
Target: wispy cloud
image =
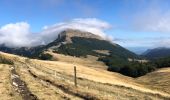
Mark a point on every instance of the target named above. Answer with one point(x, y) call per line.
point(78, 6)
point(152, 21)
point(155, 17)
point(18, 34)
point(149, 42)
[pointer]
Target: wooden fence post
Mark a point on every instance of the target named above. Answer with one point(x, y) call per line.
point(75, 76)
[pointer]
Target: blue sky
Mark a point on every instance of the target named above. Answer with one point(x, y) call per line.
point(134, 23)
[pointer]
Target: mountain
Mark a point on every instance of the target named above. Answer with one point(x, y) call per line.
point(137, 50)
point(78, 43)
point(81, 44)
point(157, 53)
point(93, 51)
point(75, 43)
point(23, 51)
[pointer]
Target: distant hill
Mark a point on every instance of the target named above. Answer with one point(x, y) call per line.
point(157, 53)
point(137, 50)
point(23, 51)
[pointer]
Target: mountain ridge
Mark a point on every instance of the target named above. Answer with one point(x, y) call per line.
point(157, 53)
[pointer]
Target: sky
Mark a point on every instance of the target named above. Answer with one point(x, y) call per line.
point(135, 24)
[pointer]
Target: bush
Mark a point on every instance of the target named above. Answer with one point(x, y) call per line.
point(45, 56)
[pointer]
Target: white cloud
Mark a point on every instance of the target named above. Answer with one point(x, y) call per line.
point(135, 42)
point(153, 19)
point(92, 25)
point(15, 34)
point(19, 35)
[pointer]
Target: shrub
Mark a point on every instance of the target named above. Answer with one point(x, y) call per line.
point(45, 56)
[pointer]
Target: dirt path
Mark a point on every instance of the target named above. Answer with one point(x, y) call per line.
point(20, 86)
point(6, 90)
point(43, 89)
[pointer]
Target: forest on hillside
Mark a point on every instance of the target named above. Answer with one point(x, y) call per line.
point(116, 61)
point(134, 68)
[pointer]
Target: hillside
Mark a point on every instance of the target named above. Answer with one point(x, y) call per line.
point(79, 43)
point(32, 52)
point(54, 80)
point(90, 61)
point(74, 43)
point(159, 79)
point(157, 53)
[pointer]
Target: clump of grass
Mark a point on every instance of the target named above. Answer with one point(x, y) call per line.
point(3, 60)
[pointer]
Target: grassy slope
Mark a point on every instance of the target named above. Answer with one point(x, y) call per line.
point(159, 79)
point(100, 82)
point(97, 75)
point(6, 92)
point(40, 89)
point(90, 61)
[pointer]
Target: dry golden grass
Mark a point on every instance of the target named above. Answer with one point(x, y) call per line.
point(96, 89)
point(6, 90)
point(90, 61)
point(96, 81)
point(159, 79)
point(97, 75)
point(38, 88)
